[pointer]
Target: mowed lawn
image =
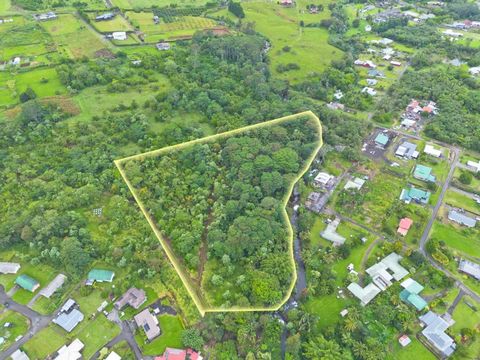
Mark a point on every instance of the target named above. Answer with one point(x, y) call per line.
point(18, 326)
point(44, 82)
point(461, 201)
point(291, 44)
point(72, 37)
point(4, 6)
point(171, 327)
point(458, 238)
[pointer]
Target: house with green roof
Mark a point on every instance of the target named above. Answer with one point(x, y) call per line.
point(410, 292)
point(27, 283)
point(423, 173)
point(381, 140)
point(99, 275)
point(413, 194)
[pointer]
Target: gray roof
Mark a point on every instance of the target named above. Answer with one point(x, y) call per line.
point(70, 320)
point(434, 331)
point(148, 323)
point(460, 218)
point(407, 149)
point(53, 286)
point(470, 268)
point(133, 297)
point(19, 355)
point(68, 305)
point(9, 267)
point(365, 294)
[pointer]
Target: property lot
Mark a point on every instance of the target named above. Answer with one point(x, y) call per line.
point(118, 23)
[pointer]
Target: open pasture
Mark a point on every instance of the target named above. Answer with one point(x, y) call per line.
point(72, 37)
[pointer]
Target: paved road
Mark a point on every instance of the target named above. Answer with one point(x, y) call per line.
point(446, 184)
point(452, 307)
point(37, 322)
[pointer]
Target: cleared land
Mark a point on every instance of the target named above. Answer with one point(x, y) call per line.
point(118, 23)
point(73, 37)
point(292, 44)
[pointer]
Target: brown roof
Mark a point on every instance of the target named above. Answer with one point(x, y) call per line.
point(133, 297)
point(148, 323)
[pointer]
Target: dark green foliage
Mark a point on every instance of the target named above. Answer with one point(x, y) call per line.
point(236, 9)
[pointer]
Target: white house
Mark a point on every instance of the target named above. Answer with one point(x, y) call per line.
point(119, 35)
point(430, 150)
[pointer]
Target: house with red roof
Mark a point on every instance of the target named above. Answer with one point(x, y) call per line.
point(179, 354)
point(404, 226)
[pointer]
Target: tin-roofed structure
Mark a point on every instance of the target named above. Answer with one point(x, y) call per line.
point(461, 218)
point(28, 283)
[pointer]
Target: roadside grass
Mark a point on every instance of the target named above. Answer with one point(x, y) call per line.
point(95, 334)
point(123, 350)
point(474, 187)
point(118, 23)
point(73, 38)
point(171, 327)
point(291, 44)
point(18, 326)
point(464, 240)
point(466, 317)
point(457, 200)
point(45, 342)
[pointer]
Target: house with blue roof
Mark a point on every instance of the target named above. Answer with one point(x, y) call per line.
point(410, 294)
point(381, 140)
point(417, 195)
point(423, 173)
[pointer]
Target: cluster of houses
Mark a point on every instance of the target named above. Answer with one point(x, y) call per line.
point(316, 200)
point(45, 16)
point(464, 25)
point(383, 274)
point(414, 110)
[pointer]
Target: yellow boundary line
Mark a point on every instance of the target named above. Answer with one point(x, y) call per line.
point(173, 259)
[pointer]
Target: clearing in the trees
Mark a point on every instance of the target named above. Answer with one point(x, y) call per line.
point(218, 207)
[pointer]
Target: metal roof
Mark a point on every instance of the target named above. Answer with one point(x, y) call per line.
point(70, 320)
point(462, 219)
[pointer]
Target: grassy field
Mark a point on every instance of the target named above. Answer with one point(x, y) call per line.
point(327, 308)
point(171, 327)
point(44, 342)
point(473, 187)
point(415, 350)
point(466, 317)
point(94, 334)
point(183, 26)
point(73, 37)
point(5, 6)
point(118, 23)
point(19, 326)
point(461, 201)
point(291, 44)
point(141, 4)
point(458, 238)
point(44, 82)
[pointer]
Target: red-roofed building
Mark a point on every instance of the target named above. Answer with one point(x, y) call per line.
point(179, 354)
point(404, 226)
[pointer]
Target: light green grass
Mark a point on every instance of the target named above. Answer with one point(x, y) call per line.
point(95, 334)
point(171, 327)
point(18, 326)
point(309, 48)
point(118, 23)
point(72, 36)
point(461, 201)
point(141, 4)
point(415, 350)
point(327, 308)
point(5, 6)
point(462, 239)
point(45, 342)
point(44, 81)
point(466, 317)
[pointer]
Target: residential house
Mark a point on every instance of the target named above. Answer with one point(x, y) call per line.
point(462, 219)
point(46, 16)
point(395, 63)
point(119, 35)
point(70, 352)
point(365, 63)
point(286, 2)
point(133, 297)
point(69, 316)
point(178, 354)
point(330, 233)
point(19, 355)
point(356, 184)
point(434, 331)
point(410, 292)
point(381, 140)
point(312, 199)
point(372, 82)
point(335, 106)
point(53, 286)
point(376, 73)
point(28, 283)
point(414, 194)
point(163, 46)
point(423, 173)
point(9, 267)
point(105, 17)
point(369, 91)
point(148, 323)
point(473, 166)
point(469, 268)
point(365, 294)
point(113, 356)
point(430, 150)
point(99, 275)
point(407, 150)
point(323, 179)
point(404, 226)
